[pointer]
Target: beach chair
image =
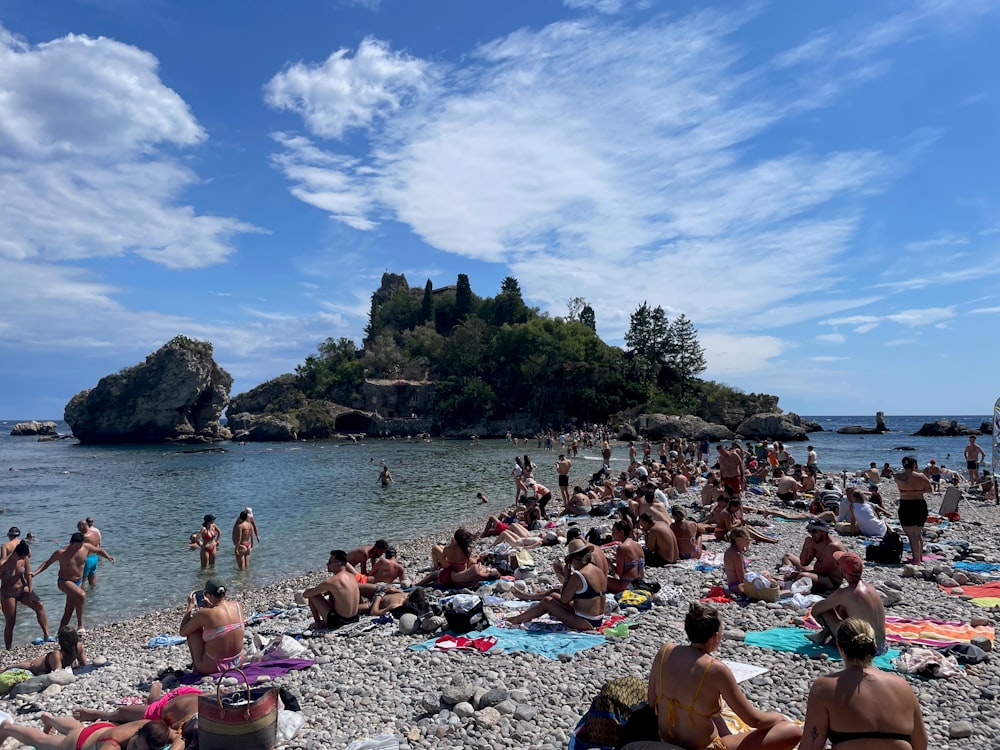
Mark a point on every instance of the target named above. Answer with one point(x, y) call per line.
point(949, 503)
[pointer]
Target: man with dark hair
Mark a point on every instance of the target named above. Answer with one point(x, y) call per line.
point(563, 465)
point(72, 559)
point(13, 539)
point(661, 544)
point(816, 561)
point(334, 602)
point(387, 569)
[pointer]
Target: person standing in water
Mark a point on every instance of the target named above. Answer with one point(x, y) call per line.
point(243, 540)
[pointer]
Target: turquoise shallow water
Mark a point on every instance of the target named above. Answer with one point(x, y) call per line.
point(307, 497)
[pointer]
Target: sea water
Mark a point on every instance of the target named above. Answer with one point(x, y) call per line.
point(308, 498)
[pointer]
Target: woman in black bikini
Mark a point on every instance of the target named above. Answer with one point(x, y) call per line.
point(873, 710)
point(69, 654)
point(580, 603)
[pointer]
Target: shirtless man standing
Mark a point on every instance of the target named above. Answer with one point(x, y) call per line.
point(973, 455)
point(816, 561)
point(563, 466)
point(72, 560)
point(872, 474)
point(243, 540)
point(912, 505)
point(661, 544)
point(15, 587)
point(732, 469)
point(856, 599)
point(334, 603)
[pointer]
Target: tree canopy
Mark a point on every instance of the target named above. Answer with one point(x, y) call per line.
point(497, 358)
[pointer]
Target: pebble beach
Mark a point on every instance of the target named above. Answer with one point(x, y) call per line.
point(368, 683)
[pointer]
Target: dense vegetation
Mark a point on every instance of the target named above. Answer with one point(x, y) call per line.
point(496, 358)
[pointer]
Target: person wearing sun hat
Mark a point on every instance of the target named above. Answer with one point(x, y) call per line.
point(856, 599)
point(580, 603)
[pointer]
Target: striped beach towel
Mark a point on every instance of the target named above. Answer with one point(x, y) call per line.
point(927, 632)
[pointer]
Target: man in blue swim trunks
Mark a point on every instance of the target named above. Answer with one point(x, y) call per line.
point(91, 535)
point(72, 560)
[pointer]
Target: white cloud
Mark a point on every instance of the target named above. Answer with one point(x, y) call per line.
point(922, 317)
point(606, 146)
point(608, 7)
point(832, 338)
point(81, 122)
point(866, 327)
point(728, 353)
point(348, 92)
point(981, 310)
point(938, 242)
point(852, 320)
point(824, 358)
point(78, 95)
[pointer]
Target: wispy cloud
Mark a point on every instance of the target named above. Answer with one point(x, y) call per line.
point(827, 358)
point(915, 318)
point(588, 142)
point(981, 310)
point(832, 338)
point(96, 184)
point(938, 242)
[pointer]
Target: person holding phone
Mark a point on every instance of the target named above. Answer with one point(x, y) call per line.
point(214, 630)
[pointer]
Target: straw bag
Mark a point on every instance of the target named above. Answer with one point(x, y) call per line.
point(765, 594)
point(245, 719)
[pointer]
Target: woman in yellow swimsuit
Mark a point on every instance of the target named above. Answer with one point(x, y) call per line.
point(687, 687)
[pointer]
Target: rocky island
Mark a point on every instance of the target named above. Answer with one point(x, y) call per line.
point(177, 394)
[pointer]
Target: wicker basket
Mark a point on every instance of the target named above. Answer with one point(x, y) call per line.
point(769, 594)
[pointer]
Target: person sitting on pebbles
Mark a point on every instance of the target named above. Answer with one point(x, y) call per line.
point(335, 602)
point(70, 653)
point(579, 604)
point(816, 561)
point(455, 564)
point(856, 599)
point(661, 544)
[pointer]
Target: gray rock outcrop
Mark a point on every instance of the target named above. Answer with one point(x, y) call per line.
point(34, 428)
point(774, 426)
point(690, 427)
point(857, 429)
point(261, 427)
point(177, 394)
point(945, 428)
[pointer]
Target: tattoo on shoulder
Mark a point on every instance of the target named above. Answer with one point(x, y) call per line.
point(814, 733)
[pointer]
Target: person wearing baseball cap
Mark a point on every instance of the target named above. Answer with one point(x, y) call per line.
point(856, 599)
point(816, 562)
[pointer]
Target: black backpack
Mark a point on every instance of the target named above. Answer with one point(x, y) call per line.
point(887, 552)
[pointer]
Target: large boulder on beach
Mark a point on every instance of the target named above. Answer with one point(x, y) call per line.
point(773, 426)
point(34, 428)
point(690, 427)
point(945, 428)
point(177, 394)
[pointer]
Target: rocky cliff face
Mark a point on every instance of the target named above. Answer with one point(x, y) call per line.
point(177, 394)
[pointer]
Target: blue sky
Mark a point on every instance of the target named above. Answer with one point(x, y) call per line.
point(813, 184)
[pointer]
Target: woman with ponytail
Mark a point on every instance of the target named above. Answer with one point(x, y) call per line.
point(862, 707)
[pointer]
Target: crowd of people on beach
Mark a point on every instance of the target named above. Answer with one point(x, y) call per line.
point(650, 527)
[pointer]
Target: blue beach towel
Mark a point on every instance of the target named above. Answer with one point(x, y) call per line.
point(549, 645)
point(793, 640)
point(977, 567)
point(163, 640)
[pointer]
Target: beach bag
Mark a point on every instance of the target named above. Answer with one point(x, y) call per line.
point(284, 647)
point(464, 612)
point(244, 719)
point(887, 552)
point(609, 712)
